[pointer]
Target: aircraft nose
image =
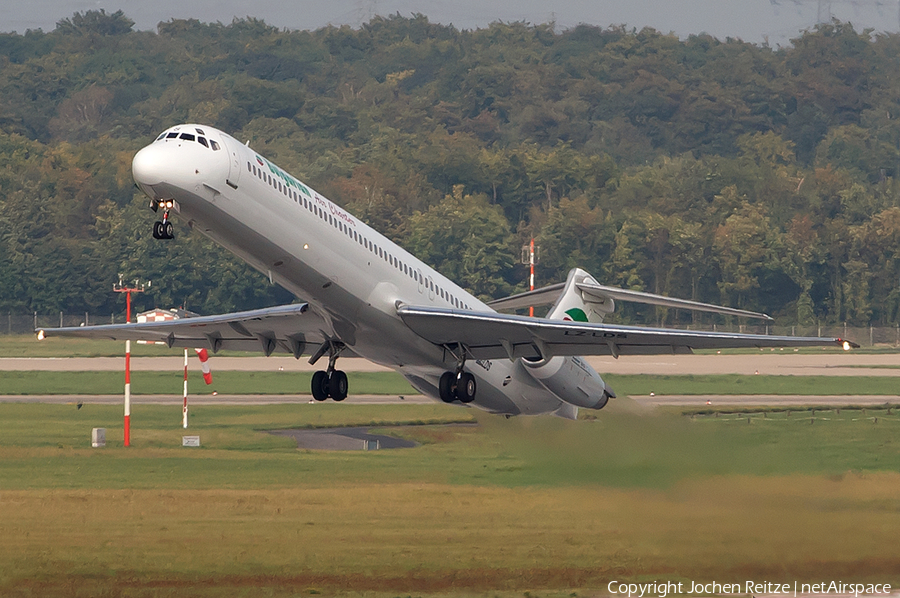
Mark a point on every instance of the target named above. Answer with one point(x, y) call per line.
point(148, 166)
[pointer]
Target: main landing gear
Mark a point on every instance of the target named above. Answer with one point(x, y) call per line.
point(163, 229)
point(459, 385)
point(330, 383)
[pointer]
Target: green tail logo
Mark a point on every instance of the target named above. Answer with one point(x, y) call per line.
point(576, 315)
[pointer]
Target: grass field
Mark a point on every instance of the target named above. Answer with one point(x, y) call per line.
point(391, 383)
point(27, 345)
point(521, 507)
point(537, 505)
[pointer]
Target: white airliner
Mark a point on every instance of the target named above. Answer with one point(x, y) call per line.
point(363, 295)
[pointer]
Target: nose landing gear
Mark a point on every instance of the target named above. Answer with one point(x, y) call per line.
point(163, 229)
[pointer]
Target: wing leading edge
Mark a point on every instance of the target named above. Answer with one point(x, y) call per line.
point(283, 329)
point(495, 336)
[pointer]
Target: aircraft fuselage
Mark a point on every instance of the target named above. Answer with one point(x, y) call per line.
point(352, 277)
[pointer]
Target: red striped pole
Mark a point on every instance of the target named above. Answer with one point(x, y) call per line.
point(120, 288)
point(531, 280)
point(128, 393)
point(184, 410)
point(128, 372)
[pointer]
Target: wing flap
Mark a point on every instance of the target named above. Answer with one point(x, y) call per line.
point(489, 335)
point(284, 329)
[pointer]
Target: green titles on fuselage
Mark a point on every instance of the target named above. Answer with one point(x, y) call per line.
point(288, 179)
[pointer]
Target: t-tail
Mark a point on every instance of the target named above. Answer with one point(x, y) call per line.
point(577, 303)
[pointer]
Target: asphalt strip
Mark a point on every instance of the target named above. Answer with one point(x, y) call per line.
point(646, 400)
point(344, 439)
point(213, 399)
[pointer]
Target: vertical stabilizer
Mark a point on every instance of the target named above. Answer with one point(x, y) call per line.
point(576, 305)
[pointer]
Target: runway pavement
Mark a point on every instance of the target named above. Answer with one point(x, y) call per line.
point(176, 363)
point(763, 363)
point(642, 400)
point(762, 400)
point(208, 399)
point(773, 363)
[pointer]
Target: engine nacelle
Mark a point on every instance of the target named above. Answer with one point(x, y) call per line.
point(572, 380)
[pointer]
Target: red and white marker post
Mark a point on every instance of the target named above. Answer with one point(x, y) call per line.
point(531, 279)
point(127, 393)
point(184, 410)
point(120, 288)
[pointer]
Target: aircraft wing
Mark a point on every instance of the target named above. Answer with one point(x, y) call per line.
point(488, 335)
point(284, 329)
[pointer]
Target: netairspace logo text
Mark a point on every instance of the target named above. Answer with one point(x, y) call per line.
point(661, 589)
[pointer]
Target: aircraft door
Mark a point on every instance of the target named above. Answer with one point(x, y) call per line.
point(421, 280)
point(234, 163)
point(430, 285)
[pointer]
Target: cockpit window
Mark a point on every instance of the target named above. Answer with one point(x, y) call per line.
point(187, 137)
point(161, 136)
point(202, 141)
point(200, 131)
point(172, 135)
point(214, 144)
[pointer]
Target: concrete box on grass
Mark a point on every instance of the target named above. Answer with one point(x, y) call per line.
point(98, 437)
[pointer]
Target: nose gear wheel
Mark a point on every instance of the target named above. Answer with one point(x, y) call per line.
point(163, 229)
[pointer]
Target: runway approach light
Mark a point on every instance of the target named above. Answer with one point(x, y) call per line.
point(846, 346)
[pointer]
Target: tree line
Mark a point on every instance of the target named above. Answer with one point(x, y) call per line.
point(721, 171)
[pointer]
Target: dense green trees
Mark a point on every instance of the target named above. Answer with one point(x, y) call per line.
point(714, 170)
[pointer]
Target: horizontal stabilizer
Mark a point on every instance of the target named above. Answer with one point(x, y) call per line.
point(550, 294)
point(651, 299)
point(543, 296)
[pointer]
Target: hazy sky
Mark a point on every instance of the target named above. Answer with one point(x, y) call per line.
point(751, 20)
